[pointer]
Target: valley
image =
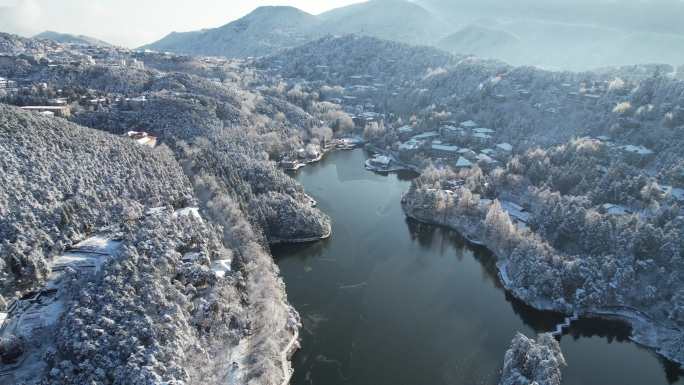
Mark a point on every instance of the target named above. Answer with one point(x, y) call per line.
point(306, 199)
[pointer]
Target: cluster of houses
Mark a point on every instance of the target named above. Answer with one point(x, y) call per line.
point(109, 56)
point(463, 144)
point(89, 55)
point(518, 214)
point(71, 55)
point(61, 106)
point(359, 105)
point(638, 152)
point(8, 85)
point(588, 90)
point(61, 111)
point(313, 153)
point(361, 119)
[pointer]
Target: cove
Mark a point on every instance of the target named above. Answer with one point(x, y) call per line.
point(388, 301)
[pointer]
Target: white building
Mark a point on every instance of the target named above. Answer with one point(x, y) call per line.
point(63, 111)
point(426, 136)
point(143, 138)
point(505, 147)
point(617, 210)
point(486, 160)
point(515, 211)
point(444, 150)
point(482, 138)
point(405, 132)
point(463, 163)
point(381, 161)
point(638, 150)
point(469, 124)
point(483, 130)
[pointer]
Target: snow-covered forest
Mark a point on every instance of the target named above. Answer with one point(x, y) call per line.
point(573, 180)
point(160, 310)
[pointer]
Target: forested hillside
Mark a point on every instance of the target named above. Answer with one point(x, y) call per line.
point(62, 181)
point(191, 294)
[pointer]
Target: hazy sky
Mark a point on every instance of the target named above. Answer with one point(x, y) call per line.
point(134, 22)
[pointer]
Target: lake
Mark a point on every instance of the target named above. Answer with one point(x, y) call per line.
point(388, 301)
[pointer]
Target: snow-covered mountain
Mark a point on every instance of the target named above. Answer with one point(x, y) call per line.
point(261, 32)
point(481, 41)
point(575, 35)
point(660, 16)
point(576, 46)
point(396, 20)
point(269, 29)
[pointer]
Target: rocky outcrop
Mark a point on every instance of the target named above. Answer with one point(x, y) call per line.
point(530, 362)
point(291, 220)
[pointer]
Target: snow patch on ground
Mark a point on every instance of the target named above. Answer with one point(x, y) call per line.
point(188, 212)
point(33, 319)
point(221, 267)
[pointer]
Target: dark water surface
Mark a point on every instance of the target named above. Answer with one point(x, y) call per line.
point(387, 301)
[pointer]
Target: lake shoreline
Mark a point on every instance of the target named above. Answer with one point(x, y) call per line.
point(645, 331)
point(333, 281)
point(295, 241)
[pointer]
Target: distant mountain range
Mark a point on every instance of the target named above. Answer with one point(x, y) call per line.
point(653, 16)
point(542, 37)
point(481, 41)
point(269, 29)
point(66, 38)
point(566, 46)
point(396, 20)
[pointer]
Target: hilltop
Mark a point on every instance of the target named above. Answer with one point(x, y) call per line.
point(396, 20)
point(480, 41)
point(265, 30)
point(66, 38)
point(14, 44)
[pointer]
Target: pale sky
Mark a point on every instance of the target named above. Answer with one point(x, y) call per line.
point(133, 23)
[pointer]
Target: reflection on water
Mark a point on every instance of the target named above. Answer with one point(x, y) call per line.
point(388, 300)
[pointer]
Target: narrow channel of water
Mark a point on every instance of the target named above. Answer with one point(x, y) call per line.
point(387, 301)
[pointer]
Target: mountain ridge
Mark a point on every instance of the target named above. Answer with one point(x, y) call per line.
point(269, 29)
point(479, 40)
point(260, 32)
point(71, 39)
